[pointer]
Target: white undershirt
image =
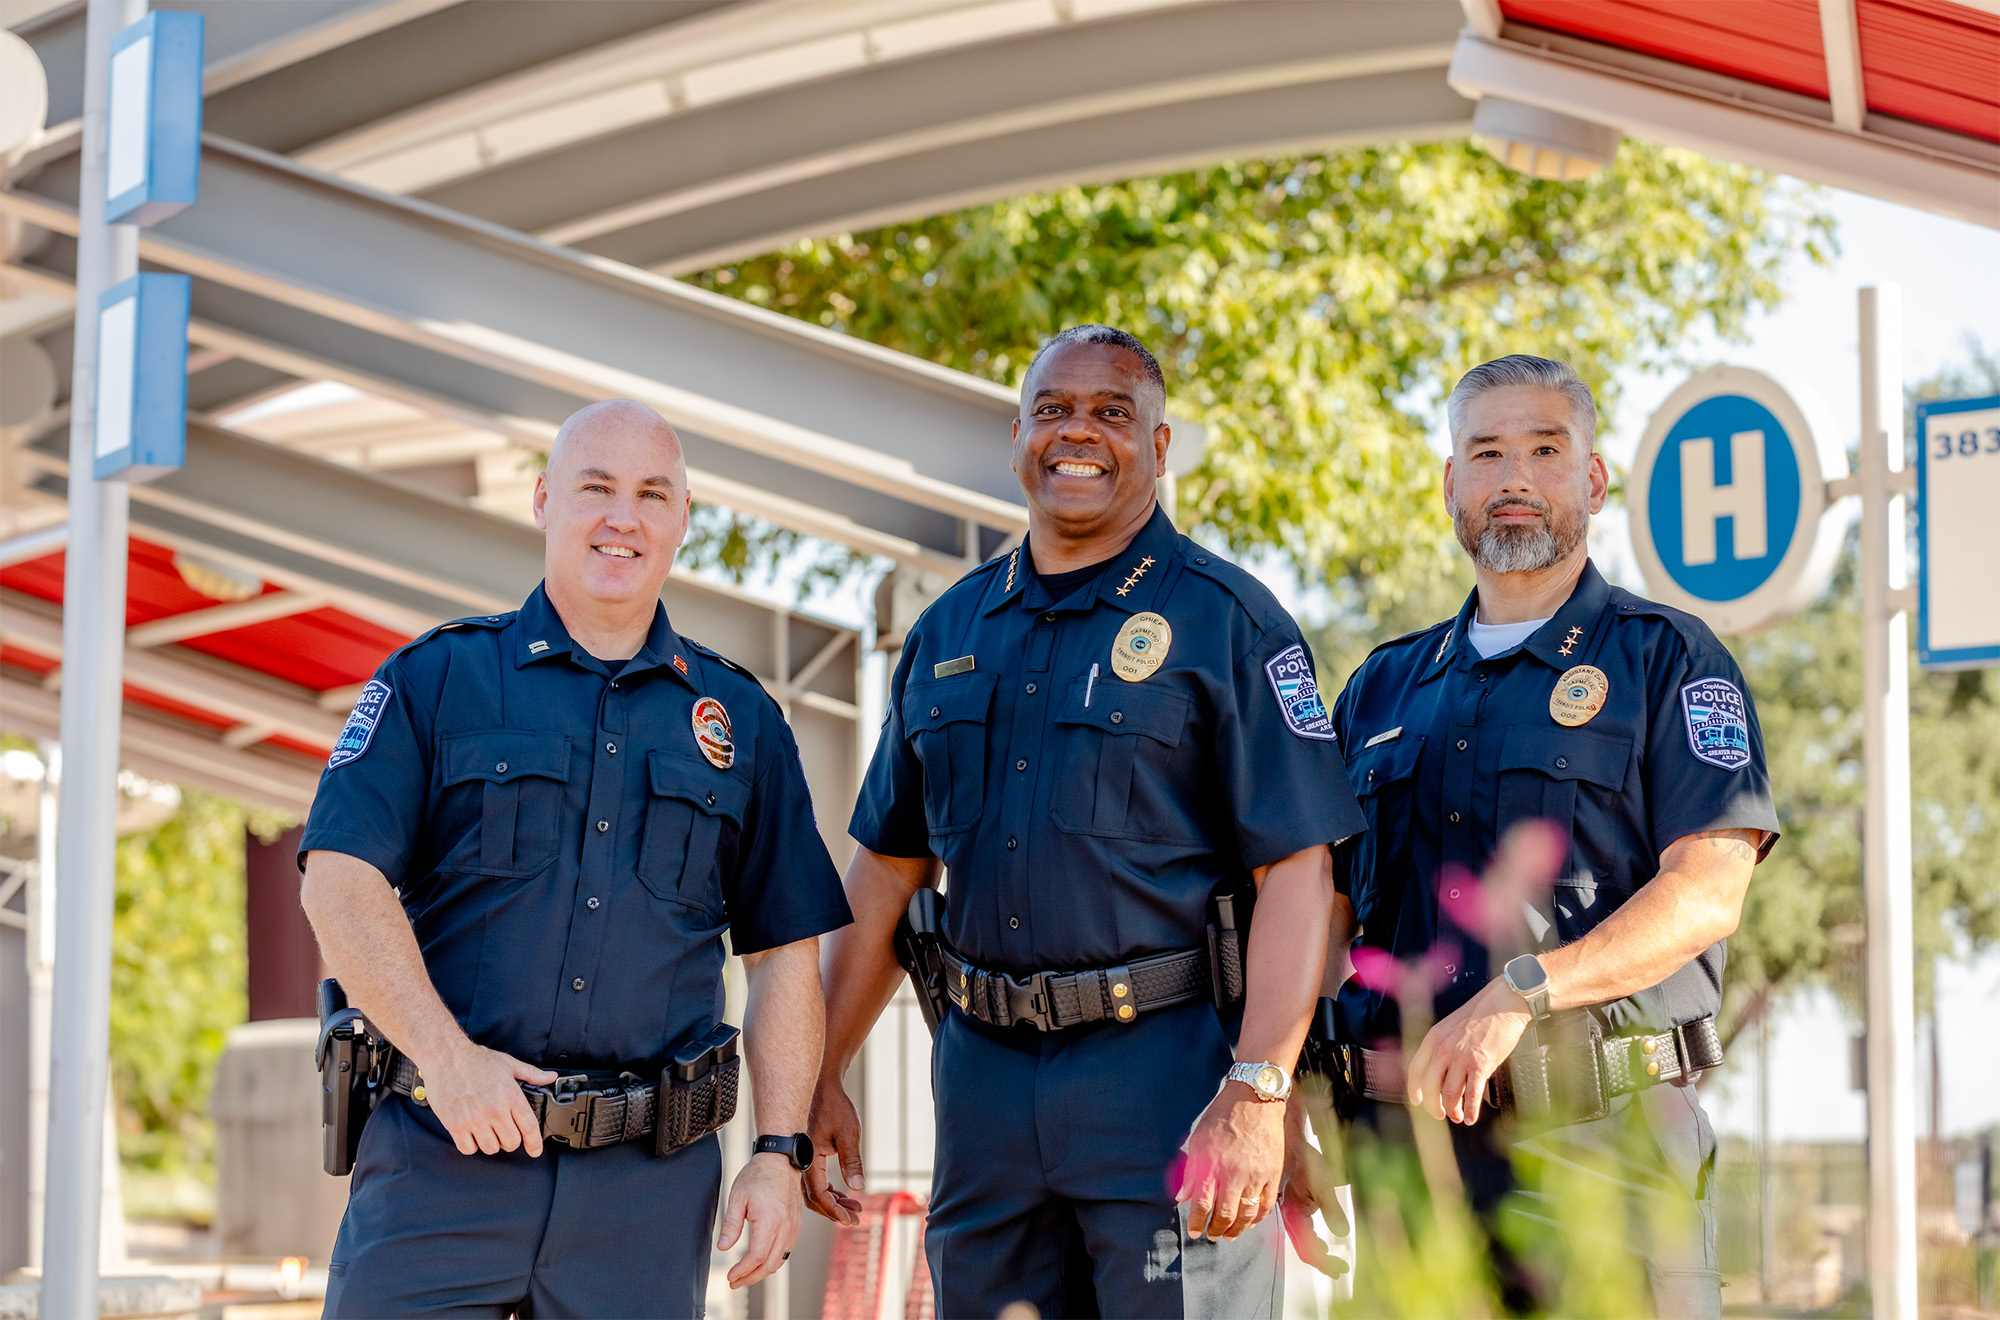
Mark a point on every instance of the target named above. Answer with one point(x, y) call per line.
point(1490, 639)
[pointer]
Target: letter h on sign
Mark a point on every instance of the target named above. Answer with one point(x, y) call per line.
point(1705, 500)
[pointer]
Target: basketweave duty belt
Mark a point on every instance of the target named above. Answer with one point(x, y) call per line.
point(587, 1110)
point(1051, 1001)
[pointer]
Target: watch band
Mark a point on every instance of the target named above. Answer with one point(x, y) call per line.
point(797, 1149)
point(1249, 1074)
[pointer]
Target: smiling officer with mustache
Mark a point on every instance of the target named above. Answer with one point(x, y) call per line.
point(1095, 733)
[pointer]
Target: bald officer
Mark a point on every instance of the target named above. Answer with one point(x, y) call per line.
point(1095, 734)
point(1553, 696)
point(524, 852)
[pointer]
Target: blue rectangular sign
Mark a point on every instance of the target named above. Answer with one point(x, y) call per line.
point(152, 160)
point(1958, 534)
point(142, 327)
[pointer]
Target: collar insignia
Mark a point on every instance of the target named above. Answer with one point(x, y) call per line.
point(680, 664)
point(1441, 645)
point(1137, 573)
point(536, 648)
point(1013, 562)
point(1569, 643)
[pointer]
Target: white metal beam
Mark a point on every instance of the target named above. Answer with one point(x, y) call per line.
point(221, 618)
point(1840, 38)
point(1863, 162)
point(1483, 17)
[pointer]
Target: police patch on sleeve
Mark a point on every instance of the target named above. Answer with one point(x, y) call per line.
point(1718, 722)
point(1291, 675)
point(359, 730)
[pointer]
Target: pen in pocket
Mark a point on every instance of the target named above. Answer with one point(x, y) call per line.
point(1090, 687)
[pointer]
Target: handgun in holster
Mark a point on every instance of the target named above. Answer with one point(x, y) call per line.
point(919, 940)
point(353, 1063)
point(1229, 911)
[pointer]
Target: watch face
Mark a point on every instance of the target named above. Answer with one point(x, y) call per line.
point(1525, 975)
point(802, 1152)
point(1270, 1079)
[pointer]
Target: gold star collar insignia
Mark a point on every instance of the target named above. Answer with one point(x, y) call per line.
point(1137, 573)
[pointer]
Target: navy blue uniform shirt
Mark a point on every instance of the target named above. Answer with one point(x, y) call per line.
point(1086, 821)
point(1447, 750)
point(567, 853)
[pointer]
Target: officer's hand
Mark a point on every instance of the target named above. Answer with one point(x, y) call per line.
point(1235, 1163)
point(766, 1193)
point(1448, 1073)
point(1309, 1187)
point(835, 1130)
point(476, 1094)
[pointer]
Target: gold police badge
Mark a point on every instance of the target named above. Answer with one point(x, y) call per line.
point(1141, 646)
point(1579, 695)
point(712, 734)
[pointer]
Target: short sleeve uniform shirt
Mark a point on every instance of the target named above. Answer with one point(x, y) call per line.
point(571, 837)
point(1090, 769)
point(1447, 750)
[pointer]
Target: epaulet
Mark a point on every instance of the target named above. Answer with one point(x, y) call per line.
point(1255, 598)
point(723, 660)
point(1698, 635)
point(1421, 635)
point(484, 622)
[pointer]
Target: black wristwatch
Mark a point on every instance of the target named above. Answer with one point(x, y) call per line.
point(798, 1148)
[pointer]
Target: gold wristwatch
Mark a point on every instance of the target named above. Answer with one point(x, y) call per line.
point(1266, 1080)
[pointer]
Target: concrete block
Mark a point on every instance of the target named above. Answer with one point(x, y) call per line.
point(272, 1197)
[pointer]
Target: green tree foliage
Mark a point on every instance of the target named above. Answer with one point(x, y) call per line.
point(1804, 921)
point(1311, 311)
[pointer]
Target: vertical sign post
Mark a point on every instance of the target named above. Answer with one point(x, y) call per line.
point(1885, 830)
point(141, 153)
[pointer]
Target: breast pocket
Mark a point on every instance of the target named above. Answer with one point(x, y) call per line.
point(1543, 773)
point(520, 775)
point(1112, 779)
point(1381, 777)
point(945, 721)
point(694, 823)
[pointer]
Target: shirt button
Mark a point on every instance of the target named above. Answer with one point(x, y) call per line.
point(1013, 923)
point(1050, 617)
point(1451, 969)
point(711, 799)
point(577, 984)
point(1031, 689)
point(611, 747)
point(1117, 717)
point(604, 825)
point(592, 905)
point(1020, 765)
point(1454, 818)
point(1461, 744)
point(1371, 776)
point(1452, 893)
point(1562, 763)
point(614, 685)
point(500, 769)
point(1482, 675)
point(1201, 561)
point(1012, 842)
point(935, 711)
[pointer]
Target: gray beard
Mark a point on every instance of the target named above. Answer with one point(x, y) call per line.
point(1501, 549)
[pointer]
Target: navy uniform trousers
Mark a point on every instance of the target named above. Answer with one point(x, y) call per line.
point(1055, 1153)
point(431, 1232)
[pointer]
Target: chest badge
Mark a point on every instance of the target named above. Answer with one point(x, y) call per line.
point(711, 733)
point(1579, 695)
point(1141, 646)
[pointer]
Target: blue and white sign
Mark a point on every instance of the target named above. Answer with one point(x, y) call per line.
point(142, 327)
point(1726, 498)
point(152, 157)
point(1958, 497)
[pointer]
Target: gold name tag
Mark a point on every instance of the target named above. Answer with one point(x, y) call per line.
point(962, 665)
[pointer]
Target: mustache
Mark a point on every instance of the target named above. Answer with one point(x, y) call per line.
point(1096, 456)
point(1518, 502)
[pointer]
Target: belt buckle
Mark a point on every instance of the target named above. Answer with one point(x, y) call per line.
point(571, 1106)
point(1028, 1000)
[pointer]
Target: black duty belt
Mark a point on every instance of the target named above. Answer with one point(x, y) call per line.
point(584, 1111)
point(1051, 1001)
point(1575, 1080)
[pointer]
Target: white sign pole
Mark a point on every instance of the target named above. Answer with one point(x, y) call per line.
point(1885, 834)
point(92, 702)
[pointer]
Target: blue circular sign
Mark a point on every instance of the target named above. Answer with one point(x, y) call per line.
point(1726, 495)
point(1724, 498)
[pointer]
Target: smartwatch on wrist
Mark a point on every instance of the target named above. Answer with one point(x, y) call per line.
point(798, 1148)
point(1525, 977)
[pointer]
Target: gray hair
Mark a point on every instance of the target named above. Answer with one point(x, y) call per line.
point(1523, 369)
point(1104, 334)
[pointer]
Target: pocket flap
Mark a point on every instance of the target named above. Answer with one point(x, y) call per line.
point(1599, 758)
point(1160, 713)
point(936, 702)
point(504, 755)
point(693, 780)
point(1375, 768)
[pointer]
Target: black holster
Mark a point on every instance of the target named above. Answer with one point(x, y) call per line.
point(353, 1064)
point(698, 1090)
point(919, 941)
point(1229, 912)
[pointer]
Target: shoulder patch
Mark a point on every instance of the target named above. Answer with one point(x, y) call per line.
point(1718, 722)
point(359, 730)
point(1291, 675)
